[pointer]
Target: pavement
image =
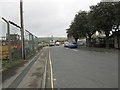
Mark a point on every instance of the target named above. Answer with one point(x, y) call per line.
point(30, 74)
point(83, 68)
point(102, 50)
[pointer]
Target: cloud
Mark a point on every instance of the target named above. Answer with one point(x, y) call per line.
point(46, 17)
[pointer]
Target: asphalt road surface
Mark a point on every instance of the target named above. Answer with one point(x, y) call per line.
point(76, 68)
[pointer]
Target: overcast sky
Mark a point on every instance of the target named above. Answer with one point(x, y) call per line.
point(45, 17)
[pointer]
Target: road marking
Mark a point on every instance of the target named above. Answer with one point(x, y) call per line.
point(51, 72)
point(74, 49)
point(54, 79)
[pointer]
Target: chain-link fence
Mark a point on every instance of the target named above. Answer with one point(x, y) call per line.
point(11, 42)
point(4, 43)
point(31, 44)
point(15, 42)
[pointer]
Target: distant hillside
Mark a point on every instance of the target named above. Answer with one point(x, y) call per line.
point(60, 38)
point(47, 39)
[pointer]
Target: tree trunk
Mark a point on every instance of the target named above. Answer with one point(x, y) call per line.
point(118, 40)
point(107, 41)
point(76, 40)
point(89, 41)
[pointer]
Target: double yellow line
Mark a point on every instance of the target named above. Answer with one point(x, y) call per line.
point(51, 72)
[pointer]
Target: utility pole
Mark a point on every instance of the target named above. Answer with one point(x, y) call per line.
point(22, 29)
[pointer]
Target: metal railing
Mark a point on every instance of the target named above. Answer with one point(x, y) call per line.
point(11, 42)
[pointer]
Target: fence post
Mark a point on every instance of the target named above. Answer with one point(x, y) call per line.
point(8, 37)
point(33, 43)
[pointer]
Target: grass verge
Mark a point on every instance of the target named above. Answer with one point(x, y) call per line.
point(5, 64)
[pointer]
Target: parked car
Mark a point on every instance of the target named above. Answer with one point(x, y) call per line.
point(66, 44)
point(81, 43)
point(57, 43)
point(51, 44)
point(72, 45)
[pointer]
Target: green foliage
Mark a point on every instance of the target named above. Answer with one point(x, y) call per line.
point(7, 64)
point(81, 26)
point(117, 16)
point(105, 16)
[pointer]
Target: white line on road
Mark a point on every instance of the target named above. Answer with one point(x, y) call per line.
point(74, 50)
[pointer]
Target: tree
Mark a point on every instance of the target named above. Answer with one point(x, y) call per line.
point(73, 32)
point(116, 11)
point(91, 29)
point(82, 26)
point(103, 17)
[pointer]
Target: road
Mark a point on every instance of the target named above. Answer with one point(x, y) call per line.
point(76, 68)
